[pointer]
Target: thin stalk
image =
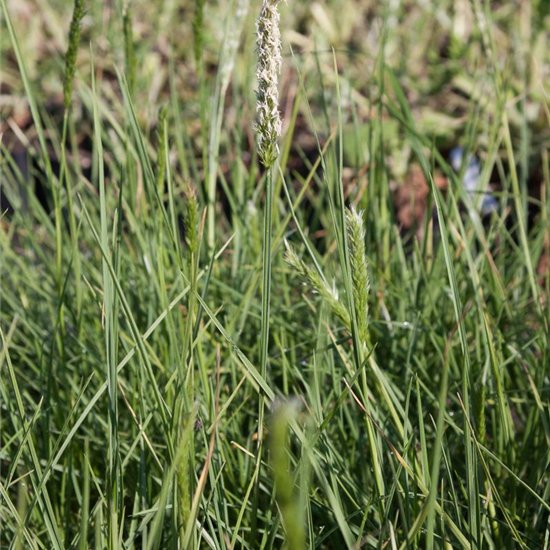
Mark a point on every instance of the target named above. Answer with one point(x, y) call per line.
point(72, 222)
point(266, 283)
point(264, 332)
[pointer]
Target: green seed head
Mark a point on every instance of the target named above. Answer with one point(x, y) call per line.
point(317, 284)
point(72, 50)
point(198, 30)
point(359, 270)
point(129, 51)
point(192, 222)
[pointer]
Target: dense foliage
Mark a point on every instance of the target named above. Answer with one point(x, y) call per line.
point(403, 402)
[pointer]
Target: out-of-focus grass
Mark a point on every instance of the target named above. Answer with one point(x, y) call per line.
point(130, 363)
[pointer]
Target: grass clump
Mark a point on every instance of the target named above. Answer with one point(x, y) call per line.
point(366, 376)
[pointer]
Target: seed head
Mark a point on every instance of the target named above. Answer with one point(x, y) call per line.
point(268, 121)
point(198, 30)
point(317, 284)
point(191, 220)
point(359, 270)
point(129, 51)
point(72, 50)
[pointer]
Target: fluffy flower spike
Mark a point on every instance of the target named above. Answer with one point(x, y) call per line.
point(268, 122)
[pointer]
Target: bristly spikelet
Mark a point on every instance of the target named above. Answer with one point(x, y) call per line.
point(268, 120)
point(72, 50)
point(198, 30)
point(314, 280)
point(191, 220)
point(359, 270)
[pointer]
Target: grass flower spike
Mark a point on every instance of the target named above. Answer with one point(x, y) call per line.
point(359, 270)
point(316, 283)
point(359, 273)
point(72, 50)
point(268, 122)
point(129, 51)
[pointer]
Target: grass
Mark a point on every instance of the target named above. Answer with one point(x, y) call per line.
point(169, 382)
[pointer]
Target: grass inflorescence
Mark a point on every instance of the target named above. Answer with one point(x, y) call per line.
point(72, 51)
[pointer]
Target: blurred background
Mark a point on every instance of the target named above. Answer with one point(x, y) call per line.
point(446, 55)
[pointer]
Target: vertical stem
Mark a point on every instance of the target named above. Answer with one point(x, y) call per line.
point(264, 334)
point(266, 284)
point(109, 335)
point(72, 221)
point(266, 292)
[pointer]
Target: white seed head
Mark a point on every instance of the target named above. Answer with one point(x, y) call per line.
point(268, 121)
